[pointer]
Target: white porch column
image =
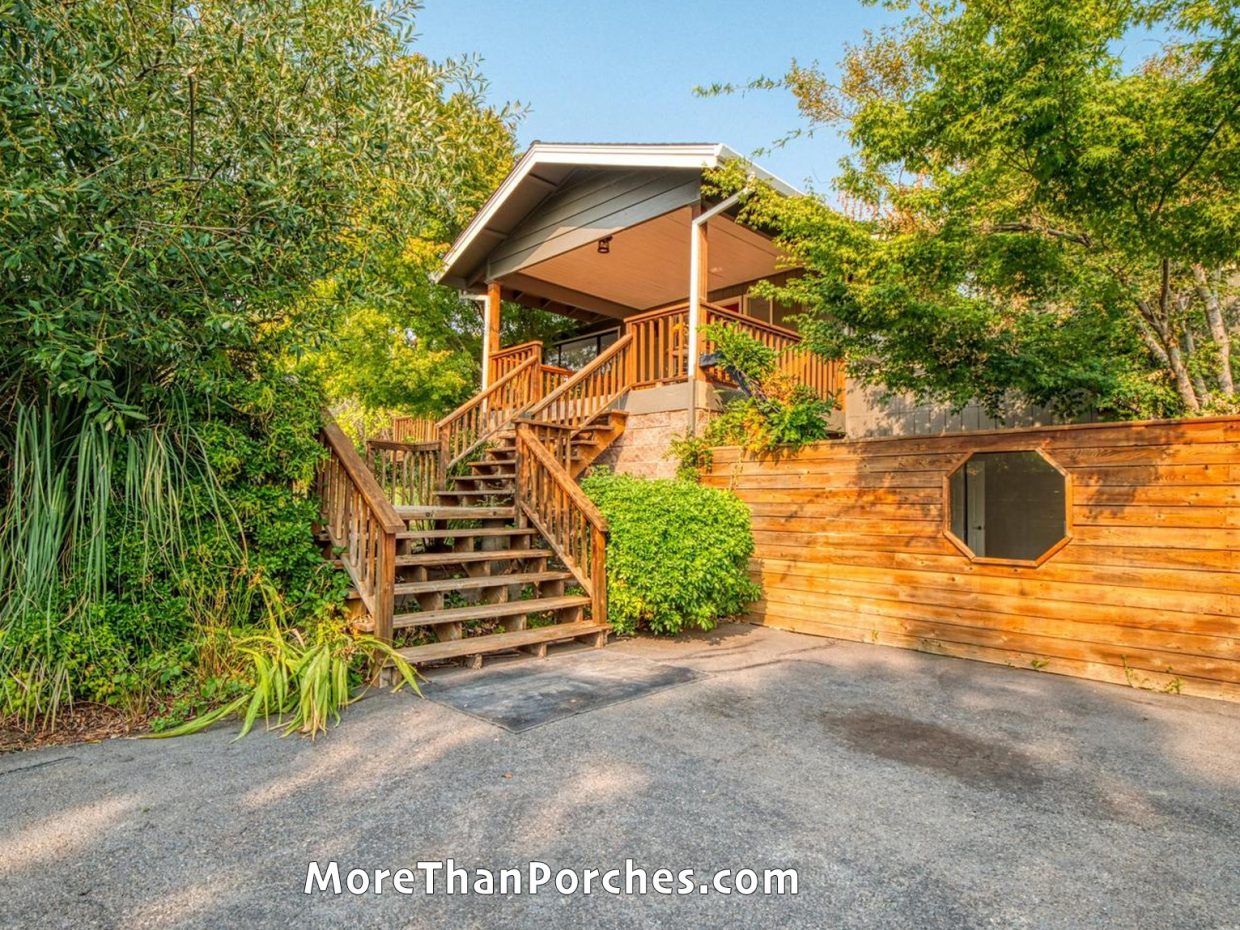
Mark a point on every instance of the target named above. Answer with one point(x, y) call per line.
point(699, 291)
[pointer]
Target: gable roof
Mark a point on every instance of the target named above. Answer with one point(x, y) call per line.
point(526, 185)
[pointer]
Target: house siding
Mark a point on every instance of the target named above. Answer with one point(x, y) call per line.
point(591, 204)
point(868, 414)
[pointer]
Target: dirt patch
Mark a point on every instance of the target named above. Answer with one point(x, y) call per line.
point(85, 723)
point(976, 762)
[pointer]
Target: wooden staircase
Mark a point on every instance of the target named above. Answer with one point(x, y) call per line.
point(482, 542)
point(473, 578)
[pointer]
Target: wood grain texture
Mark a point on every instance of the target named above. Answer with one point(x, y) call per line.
point(850, 544)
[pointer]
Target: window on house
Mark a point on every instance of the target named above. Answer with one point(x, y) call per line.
point(579, 351)
point(768, 311)
point(1008, 506)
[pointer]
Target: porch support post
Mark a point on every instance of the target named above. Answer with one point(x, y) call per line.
point(699, 290)
point(699, 266)
point(490, 330)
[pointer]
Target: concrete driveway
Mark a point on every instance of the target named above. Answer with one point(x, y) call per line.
point(906, 790)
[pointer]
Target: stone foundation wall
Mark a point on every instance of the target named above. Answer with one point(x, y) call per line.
point(642, 448)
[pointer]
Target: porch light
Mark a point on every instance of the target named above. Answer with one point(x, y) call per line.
point(604, 245)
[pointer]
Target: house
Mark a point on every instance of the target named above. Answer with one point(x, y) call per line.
point(624, 240)
point(1108, 551)
point(621, 238)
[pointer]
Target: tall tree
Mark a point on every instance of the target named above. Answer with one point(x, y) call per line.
point(191, 192)
point(1026, 210)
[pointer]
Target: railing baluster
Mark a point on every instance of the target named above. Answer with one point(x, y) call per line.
point(473, 422)
point(660, 347)
point(362, 523)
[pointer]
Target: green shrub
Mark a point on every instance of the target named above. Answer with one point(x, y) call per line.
point(200, 513)
point(784, 413)
point(678, 553)
point(694, 456)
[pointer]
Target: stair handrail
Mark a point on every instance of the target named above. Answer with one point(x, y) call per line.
point(591, 390)
point(361, 522)
point(561, 511)
point(504, 360)
point(475, 421)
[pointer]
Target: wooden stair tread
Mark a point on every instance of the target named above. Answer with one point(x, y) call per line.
point(448, 512)
point(483, 555)
point(535, 605)
point(476, 492)
point(485, 581)
point(469, 531)
point(498, 642)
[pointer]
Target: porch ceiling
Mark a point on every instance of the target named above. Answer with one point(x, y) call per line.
point(648, 265)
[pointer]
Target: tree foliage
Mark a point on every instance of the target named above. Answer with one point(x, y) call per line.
point(776, 411)
point(195, 196)
point(1025, 211)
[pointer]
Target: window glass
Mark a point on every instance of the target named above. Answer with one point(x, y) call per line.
point(579, 352)
point(1008, 505)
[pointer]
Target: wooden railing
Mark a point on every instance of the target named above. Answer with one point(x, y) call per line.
point(661, 348)
point(564, 515)
point(407, 472)
point(769, 334)
point(505, 360)
point(361, 523)
point(414, 429)
point(590, 391)
point(552, 377)
point(470, 425)
point(825, 377)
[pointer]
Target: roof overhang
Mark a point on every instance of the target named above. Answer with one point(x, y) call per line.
point(532, 178)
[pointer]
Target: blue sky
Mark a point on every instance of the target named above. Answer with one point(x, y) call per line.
point(624, 71)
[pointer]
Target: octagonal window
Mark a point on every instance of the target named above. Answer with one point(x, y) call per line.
point(1010, 506)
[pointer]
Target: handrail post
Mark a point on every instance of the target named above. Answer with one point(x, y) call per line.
point(598, 575)
point(441, 474)
point(385, 587)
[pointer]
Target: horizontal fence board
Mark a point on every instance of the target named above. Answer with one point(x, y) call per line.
point(995, 598)
point(849, 543)
point(801, 620)
point(809, 560)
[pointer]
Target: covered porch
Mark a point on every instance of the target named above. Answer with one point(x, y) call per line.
point(624, 241)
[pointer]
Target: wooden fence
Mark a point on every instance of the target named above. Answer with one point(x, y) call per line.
point(851, 543)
